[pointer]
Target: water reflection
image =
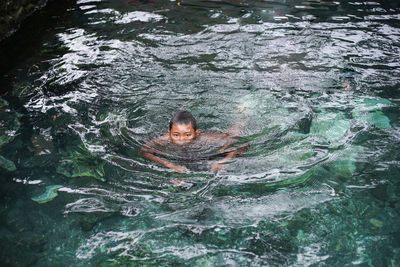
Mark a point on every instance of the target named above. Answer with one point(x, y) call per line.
point(318, 79)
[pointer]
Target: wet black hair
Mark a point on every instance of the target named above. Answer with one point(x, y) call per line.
point(183, 117)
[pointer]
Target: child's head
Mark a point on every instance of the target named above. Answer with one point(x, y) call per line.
point(183, 128)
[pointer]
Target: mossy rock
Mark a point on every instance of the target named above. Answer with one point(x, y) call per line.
point(7, 164)
point(50, 193)
point(80, 163)
point(9, 125)
point(3, 104)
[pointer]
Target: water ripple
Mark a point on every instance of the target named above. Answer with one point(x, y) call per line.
point(316, 82)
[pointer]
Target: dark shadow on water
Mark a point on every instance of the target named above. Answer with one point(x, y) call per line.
point(29, 37)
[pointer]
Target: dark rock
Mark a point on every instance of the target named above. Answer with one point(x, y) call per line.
point(20, 249)
point(16, 223)
point(301, 221)
point(22, 37)
point(88, 221)
point(304, 125)
point(381, 192)
point(13, 12)
point(42, 144)
point(7, 164)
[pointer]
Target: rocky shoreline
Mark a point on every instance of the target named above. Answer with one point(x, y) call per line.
point(23, 24)
point(13, 12)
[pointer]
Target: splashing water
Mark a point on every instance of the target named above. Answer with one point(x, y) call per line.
point(318, 86)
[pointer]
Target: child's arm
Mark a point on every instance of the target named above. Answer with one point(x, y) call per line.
point(229, 154)
point(219, 165)
point(232, 133)
point(166, 163)
point(241, 122)
point(230, 140)
point(147, 151)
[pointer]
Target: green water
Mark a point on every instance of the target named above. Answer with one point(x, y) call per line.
point(319, 185)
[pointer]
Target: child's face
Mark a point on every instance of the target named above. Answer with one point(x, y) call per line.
point(182, 133)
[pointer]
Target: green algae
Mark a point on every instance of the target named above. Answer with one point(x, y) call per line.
point(48, 195)
point(81, 162)
point(7, 164)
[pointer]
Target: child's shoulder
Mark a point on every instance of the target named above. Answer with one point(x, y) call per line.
point(214, 136)
point(160, 139)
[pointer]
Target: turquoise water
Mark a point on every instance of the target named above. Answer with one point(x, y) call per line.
point(319, 185)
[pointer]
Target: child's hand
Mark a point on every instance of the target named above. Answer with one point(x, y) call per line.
point(180, 169)
point(217, 167)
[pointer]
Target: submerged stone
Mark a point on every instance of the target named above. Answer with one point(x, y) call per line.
point(343, 168)
point(293, 181)
point(374, 102)
point(3, 104)
point(7, 164)
point(38, 161)
point(105, 130)
point(42, 145)
point(48, 195)
point(260, 106)
point(9, 125)
point(345, 164)
point(73, 169)
point(90, 220)
point(330, 126)
point(375, 118)
point(80, 163)
point(377, 223)
point(369, 111)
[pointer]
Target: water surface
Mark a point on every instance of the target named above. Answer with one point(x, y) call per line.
point(318, 80)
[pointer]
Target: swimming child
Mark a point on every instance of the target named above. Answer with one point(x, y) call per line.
point(182, 132)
